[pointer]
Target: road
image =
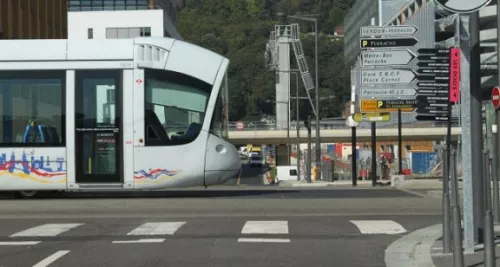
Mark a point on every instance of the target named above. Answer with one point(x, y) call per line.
point(249, 175)
point(257, 226)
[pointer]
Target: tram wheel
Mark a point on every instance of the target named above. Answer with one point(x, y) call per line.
point(26, 194)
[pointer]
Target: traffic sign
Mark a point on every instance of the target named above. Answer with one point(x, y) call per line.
point(432, 91)
point(435, 78)
point(431, 117)
point(386, 58)
point(433, 98)
point(359, 117)
point(368, 31)
point(434, 71)
point(368, 105)
point(239, 125)
point(404, 103)
point(495, 97)
point(386, 42)
point(432, 84)
point(386, 92)
point(433, 57)
point(387, 76)
point(434, 64)
point(454, 75)
point(463, 6)
point(433, 51)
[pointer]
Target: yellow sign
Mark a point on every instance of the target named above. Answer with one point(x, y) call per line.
point(359, 117)
point(368, 105)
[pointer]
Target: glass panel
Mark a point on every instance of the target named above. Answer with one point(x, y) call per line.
point(32, 108)
point(175, 107)
point(98, 126)
point(123, 33)
point(134, 32)
point(111, 33)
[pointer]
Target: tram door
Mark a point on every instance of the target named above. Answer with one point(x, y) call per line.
point(98, 135)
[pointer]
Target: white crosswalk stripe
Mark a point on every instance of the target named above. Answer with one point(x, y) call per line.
point(379, 227)
point(265, 227)
point(157, 228)
point(50, 229)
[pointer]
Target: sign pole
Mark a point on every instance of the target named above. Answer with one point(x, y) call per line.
point(476, 125)
point(353, 158)
point(400, 143)
point(374, 153)
point(496, 137)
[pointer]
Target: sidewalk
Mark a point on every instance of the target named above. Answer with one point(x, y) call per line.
point(475, 259)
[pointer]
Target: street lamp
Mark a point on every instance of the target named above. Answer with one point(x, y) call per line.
point(318, 141)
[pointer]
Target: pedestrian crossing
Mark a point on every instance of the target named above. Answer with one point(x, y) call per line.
point(251, 231)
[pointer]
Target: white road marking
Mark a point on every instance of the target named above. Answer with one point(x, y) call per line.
point(52, 258)
point(19, 243)
point(379, 227)
point(264, 240)
point(265, 227)
point(157, 228)
point(152, 240)
point(51, 229)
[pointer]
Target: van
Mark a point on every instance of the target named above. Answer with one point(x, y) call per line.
point(286, 173)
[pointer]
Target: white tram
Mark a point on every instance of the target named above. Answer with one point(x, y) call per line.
point(112, 114)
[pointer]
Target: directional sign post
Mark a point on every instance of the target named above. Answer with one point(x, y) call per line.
point(394, 37)
point(386, 58)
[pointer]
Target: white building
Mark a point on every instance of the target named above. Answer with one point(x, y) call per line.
point(144, 18)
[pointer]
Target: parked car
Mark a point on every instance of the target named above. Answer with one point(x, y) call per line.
point(255, 161)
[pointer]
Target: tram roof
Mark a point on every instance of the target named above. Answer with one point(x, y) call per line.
point(141, 52)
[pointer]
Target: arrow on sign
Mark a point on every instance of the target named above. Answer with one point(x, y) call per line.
point(387, 76)
point(433, 51)
point(435, 98)
point(430, 117)
point(434, 71)
point(386, 58)
point(433, 78)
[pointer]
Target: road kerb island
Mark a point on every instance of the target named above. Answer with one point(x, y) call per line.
point(413, 249)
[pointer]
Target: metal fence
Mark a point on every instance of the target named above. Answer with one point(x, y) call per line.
point(266, 126)
point(337, 168)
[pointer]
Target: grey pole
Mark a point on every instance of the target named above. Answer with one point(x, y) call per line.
point(318, 139)
point(496, 136)
point(494, 169)
point(288, 148)
point(496, 166)
point(476, 124)
point(489, 242)
point(297, 123)
point(446, 202)
point(309, 152)
point(458, 255)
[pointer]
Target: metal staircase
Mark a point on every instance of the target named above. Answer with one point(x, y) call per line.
point(289, 34)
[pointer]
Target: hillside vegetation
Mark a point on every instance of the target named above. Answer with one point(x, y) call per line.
point(239, 30)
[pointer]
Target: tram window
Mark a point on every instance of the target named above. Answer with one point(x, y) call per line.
point(32, 108)
point(175, 107)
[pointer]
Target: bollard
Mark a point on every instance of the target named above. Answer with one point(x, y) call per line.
point(489, 242)
point(446, 202)
point(458, 253)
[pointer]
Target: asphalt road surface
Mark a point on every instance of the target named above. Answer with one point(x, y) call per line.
point(329, 227)
point(249, 175)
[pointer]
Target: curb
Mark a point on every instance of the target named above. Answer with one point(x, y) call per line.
point(413, 249)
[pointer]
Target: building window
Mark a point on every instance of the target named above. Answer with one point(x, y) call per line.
point(112, 33)
point(146, 31)
point(175, 106)
point(90, 33)
point(32, 108)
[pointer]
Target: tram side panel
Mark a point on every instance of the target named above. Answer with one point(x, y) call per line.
point(29, 168)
